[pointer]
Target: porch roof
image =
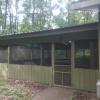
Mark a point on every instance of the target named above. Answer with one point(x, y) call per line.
point(52, 32)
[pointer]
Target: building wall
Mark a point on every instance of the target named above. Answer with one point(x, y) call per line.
point(3, 71)
point(85, 79)
point(82, 79)
point(39, 74)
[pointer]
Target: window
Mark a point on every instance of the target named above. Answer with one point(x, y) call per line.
point(3, 54)
point(20, 54)
point(62, 54)
point(46, 54)
point(86, 54)
point(35, 54)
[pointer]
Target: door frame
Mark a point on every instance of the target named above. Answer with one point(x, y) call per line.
point(53, 65)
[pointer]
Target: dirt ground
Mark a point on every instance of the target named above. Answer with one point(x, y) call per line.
point(54, 93)
point(40, 92)
point(57, 93)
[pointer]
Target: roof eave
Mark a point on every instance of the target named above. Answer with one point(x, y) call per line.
point(60, 31)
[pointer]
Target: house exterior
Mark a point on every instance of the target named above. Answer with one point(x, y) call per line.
point(91, 5)
point(63, 57)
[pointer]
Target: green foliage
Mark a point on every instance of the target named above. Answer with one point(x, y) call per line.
point(36, 15)
point(16, 92)
point(1, 14)
point(59, 21)
point(25, 27)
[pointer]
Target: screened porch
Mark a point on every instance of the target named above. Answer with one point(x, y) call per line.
point(61, 57)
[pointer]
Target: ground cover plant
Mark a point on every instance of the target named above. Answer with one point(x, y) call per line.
point(19, 90)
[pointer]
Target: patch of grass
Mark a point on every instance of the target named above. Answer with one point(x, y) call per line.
point(16, 92)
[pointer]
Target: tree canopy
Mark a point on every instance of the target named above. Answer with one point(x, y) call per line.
point(36, 15)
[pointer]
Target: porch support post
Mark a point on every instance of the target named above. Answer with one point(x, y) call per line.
point(72, 61)
point(41, 55)
point(53, 59)
point(99, 39)
point(98, 83)
point(9, 48)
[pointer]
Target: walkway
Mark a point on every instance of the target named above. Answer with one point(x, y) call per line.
point(54, 93)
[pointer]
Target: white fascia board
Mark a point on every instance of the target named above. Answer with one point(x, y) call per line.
point(86, 4)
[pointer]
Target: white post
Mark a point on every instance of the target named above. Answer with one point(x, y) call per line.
point(8, 54)
point(99, 39)
point(98, 83)
point(53, 59)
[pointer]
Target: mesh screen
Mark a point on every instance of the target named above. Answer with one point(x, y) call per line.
point(20, 54)
point(35, 54)
point(3, 54)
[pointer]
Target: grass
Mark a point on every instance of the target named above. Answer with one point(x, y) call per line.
point(15, 92)
point(19, 89)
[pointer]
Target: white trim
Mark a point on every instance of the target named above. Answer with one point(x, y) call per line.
point(86, 4)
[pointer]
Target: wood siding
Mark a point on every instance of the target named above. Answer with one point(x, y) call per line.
point(41, 74)
point(84, 79)
point(3, 71)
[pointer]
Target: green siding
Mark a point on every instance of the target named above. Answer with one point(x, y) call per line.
point(84, 79)
point(41, 74)
point(3, 71)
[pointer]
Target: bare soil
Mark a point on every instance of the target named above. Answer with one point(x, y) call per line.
point(57, 93)
point(40, 92)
